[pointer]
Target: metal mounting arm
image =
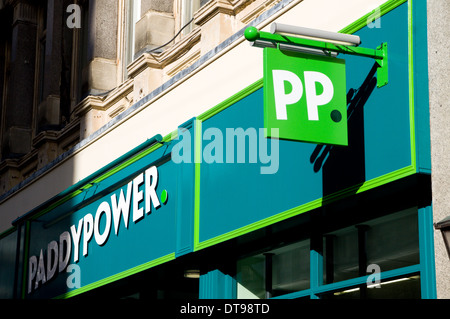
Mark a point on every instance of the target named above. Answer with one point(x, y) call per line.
point(252, 34)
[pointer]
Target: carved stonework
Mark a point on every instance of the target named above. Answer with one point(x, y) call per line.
point(25, 12)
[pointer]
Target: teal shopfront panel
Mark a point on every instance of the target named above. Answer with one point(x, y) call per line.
point(236, 197)
point(8, 263)
point(112, 233)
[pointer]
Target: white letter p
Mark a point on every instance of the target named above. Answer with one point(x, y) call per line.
point(281, 98)
point(312, 99)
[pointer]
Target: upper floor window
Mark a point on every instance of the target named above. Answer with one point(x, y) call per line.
point(188, 9)
point(149, 26)
point(82, 45)
point(132, 16)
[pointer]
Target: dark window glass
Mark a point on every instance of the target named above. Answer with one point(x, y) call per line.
point(389, 242)
point(401, 288)
point(275, 272)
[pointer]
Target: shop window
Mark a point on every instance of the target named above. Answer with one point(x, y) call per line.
point(251, 277)
point(407, 287)
point(393, 241)
point(275, 272)
point(388, 242)
point(188, 9)
point(8, 242)
point(371, 260)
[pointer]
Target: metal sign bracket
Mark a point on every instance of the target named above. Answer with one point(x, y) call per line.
point(291, 43)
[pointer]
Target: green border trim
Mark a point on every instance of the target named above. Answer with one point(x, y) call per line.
point(381, 10)
point(230, 101)
point(197, 163)
point(109, 173)
point(356, 189)
point(411, 85)
point(118, 276)
point(7, 232)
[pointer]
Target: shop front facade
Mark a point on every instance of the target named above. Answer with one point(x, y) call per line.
point(207, 206)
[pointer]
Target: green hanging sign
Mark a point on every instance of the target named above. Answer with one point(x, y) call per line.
point(305, 97)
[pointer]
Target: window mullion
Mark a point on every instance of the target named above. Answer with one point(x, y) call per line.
point(316, 265)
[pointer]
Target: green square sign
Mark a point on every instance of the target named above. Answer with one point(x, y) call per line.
point(305, 97)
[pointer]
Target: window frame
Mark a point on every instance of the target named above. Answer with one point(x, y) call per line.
point(318, 288)
point(427, 284)
point(132, 14)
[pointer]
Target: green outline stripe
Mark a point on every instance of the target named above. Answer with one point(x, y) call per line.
point(411, 86)
point(197, 163)
point(7, 232)
point(362, 22)
point(231, 100)
point(125, 164)
point(113, 171)
point(118, 276)
point(133, 159)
